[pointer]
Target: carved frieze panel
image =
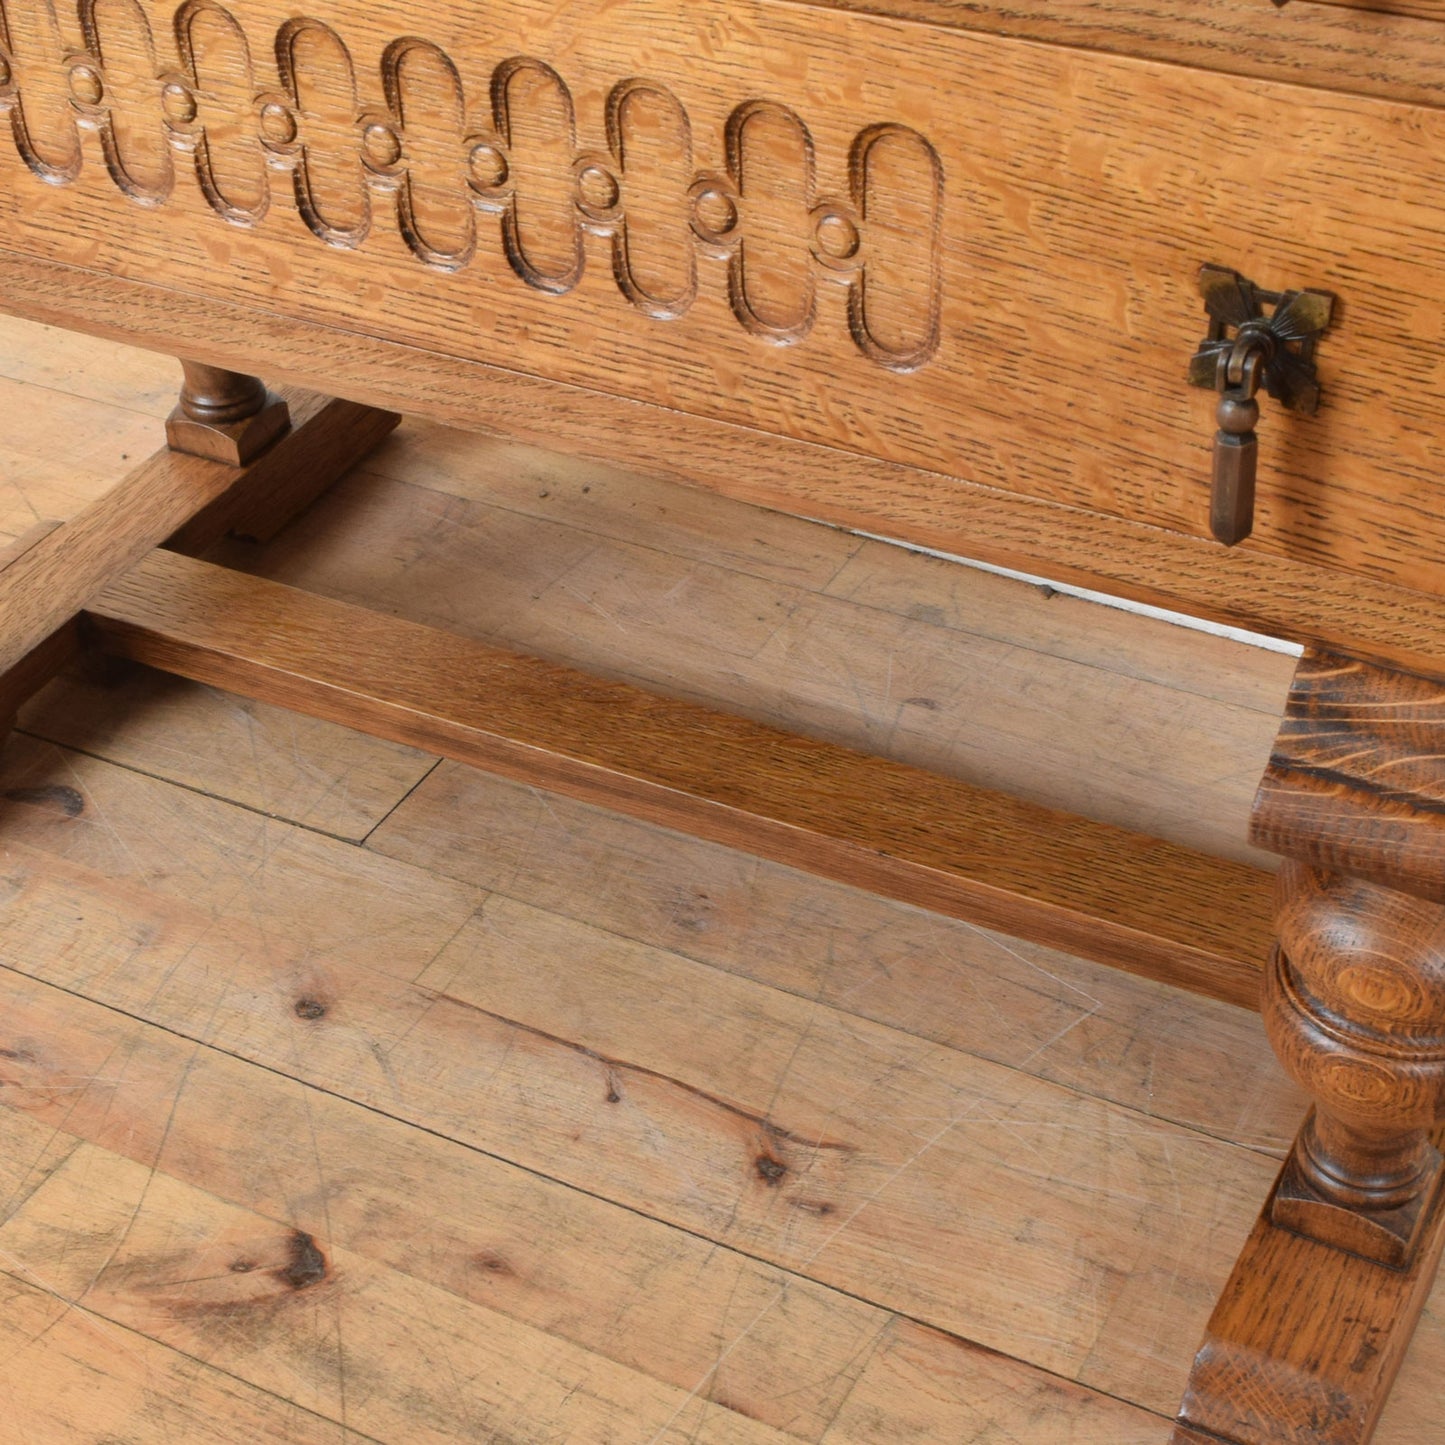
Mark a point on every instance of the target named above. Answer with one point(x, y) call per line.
point(244, 114)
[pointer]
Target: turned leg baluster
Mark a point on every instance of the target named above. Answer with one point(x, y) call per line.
point(1313, 1323)
point(225, 416)
point(1355, 1007)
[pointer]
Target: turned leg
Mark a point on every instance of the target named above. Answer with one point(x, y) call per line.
point(225, 416)
point(1310, 1330)
point(289, 453)
point(1355, 1007)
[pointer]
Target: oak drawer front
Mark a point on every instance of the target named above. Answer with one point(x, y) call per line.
point(964, 254)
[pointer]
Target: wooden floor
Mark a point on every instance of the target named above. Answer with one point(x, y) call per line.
point(353, 1097)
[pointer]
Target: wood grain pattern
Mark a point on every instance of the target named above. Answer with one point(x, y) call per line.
point(58, 461)
point(167, 1259)
point(929, 839)
point(45, 585)
point(322, 896)
point(799, 1078)
point(643, 541)
point(503, 1240)
point(1309, 1333)
point(948, 701)
point(1355, 1008)
point(69, 369)
point(100, 1379)
point(972, 601)
point(278, 762)
point(1354, 998)
point(1305, 1342)
point(135, 943)
point(1389, 48)
point(152, 943)
point(1354, 780)
point(1267, 594)
point(327, 438)
point(1059, 260)
point(31, 673)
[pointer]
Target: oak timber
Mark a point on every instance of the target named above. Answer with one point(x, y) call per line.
point(971, 991)
point(1333, 1326)
point(45, 583)
point(1391, 48)
point(1275, 596)
point(1354, 780)
point(1067, 249)
point(1135, 902)
point(1308, 1334)
point(965, 699)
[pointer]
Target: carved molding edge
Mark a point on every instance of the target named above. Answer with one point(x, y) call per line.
point(419, 153)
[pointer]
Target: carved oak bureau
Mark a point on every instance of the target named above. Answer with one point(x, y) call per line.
point(1140, 294)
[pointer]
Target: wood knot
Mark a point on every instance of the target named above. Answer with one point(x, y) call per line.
point(770, 1170)
point(493, 1263)
point(306, 1265)
point(692, 910)
point(309, 1008)
point(55, 797)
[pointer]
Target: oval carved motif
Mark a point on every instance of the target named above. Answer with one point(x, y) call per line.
point(42, 119)
point(754, 208)
point(770, 277)
point(320, 82)
point(541, 229)
point(894, 307)
point(224, 135)
point(132, 135)
point(424, 93)
point(653, 256)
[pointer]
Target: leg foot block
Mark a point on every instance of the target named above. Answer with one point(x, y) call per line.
point(236, 443)
point(1306, 1339)
point(1387, 1236)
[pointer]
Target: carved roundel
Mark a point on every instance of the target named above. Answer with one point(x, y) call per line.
point(488, 169)
point(178, 103)
point(382, 145)
point(714, 212)
point(837, 237)
point(238, 109)
point(87, 89)
point(599, 192)
point(277, 123)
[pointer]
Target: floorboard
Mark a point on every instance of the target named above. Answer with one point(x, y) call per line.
point(348, 1097)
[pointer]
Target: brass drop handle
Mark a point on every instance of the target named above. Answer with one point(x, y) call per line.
point(1272, 352)
point(1236, 448)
